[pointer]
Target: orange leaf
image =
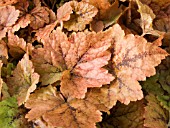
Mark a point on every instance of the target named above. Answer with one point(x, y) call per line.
point(56, 112)
point(23, 81)
point(8, 17)
point(134, 60)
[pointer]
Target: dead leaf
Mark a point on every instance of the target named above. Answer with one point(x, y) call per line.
point(7, 2)
point(154, 115)
point(64, 12)
point(24, 19)
point(82, 15)
point(43, 33)
point(8, 17)
point(56, 112)
point(41, 16)
point(23, 80)
point(17, 46)
point(103, 98)
point(3, 51)
point(134, 60)
point(147, 17)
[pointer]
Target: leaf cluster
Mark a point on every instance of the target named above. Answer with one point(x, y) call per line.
point(65, 63)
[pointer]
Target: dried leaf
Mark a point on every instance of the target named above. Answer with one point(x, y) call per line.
point(80, 57)
point(7, 2)
point(84, 59)
point(125, 116)
point(23, 80)
point(154, 115)
point(147, 17)
point(64, 12)
point(43, 33)
point(50, 105)
point(103, 98)
point(134, 60)
point(3, 51)
point(17, 46)
point(41, 16)
point(83, 14)
point(8, 17)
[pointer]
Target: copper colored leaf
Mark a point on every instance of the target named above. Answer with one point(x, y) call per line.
point(64, 12)
point(7, 2)
point(147, 17)
point(154, 115)
point(84, 60)
point(23, 80)
point(83, 14)
point(43, 33)
point(3, 52)
point(80, 56)
point(134, 60)
point(17, 46)
point(48, 61)
point(125, 116)
point(41, 16)
point(8, 17)
point(103, 98)
point(56, 112)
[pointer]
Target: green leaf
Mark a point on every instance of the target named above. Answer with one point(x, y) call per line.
point(8, 113)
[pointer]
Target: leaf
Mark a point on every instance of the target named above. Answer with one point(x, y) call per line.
point(41, 16)
point(81, 16)
point(10, 114)
point(24, 19)
point(43, 33)
point(125, 116)
point(147, 17)
point(3, 52)
point(80, 58)
point(7, 2)
point(154, 115)
point(17, 46)
point(64, 12)
point(103, 98)
point(8, 17)
point(23, 80)
point(50, 105)
point(134, 60)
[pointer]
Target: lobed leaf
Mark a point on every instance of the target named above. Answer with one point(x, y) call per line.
point(23, 80)
point(56, 112)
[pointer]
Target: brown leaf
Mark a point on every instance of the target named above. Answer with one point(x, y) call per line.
point(80, 56)
point(134, 60)
point(17, 46)
point(43, 33)
point(83, 14)
point(8, 17)
point(103, 98)
point(64, 12)
point(23, 80)
point(125, 116)
point(3, 51)
point(7, 2)
point(84, 60)
point(154, 115)
point(56, 112)
point(41, 16)
point(24, 19)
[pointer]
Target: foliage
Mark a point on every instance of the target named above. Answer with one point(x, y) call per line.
point(72, 64)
